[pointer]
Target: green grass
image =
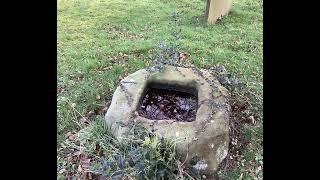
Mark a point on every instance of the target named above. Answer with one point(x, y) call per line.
point(94, 37)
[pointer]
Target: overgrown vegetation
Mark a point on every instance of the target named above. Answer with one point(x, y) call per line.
point(169, 54)
point(101, 41)
point(144, 156)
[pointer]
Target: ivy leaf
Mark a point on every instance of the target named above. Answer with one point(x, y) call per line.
point(121, 162)
point(105, 165)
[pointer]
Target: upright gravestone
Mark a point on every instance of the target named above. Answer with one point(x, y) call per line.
point(216, 9)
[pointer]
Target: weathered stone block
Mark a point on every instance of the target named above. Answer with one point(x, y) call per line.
point(205, 139)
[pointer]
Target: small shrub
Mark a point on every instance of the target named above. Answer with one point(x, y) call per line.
point(151, 158)
point(168, 53)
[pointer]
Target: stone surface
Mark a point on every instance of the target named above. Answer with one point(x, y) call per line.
point(205, 139)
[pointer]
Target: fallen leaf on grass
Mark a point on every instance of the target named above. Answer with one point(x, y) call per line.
point(182, 56)
point(90, 175)
point(72, 159)
point(113, 60)
point(258, 169)
point(105, 109)
point(83, 121)
point(80, 169)
point(84, 161)
point(62, 171)
point(60, 90)
point(77, 153)
point(120, 78)
point(107, 68)
point(253, 121)
point(125, 57)
point(70, 136)
point(73, 105)
point(90, 113)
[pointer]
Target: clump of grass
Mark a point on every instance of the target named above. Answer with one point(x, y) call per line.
point(149, 158)
point(135, 157)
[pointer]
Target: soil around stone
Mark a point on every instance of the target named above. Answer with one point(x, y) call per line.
point(163, 104)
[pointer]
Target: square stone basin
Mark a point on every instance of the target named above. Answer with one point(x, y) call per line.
point(198, 126)
point(168, 102)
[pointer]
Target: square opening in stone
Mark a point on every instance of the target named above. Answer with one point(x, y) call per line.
point(164, 102)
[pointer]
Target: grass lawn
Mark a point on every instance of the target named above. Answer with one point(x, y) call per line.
point(101, 41)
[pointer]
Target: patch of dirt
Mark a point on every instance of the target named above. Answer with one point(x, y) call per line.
point(161, 104)
point(77, 164)
point(61, 90)
point(237, 142)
